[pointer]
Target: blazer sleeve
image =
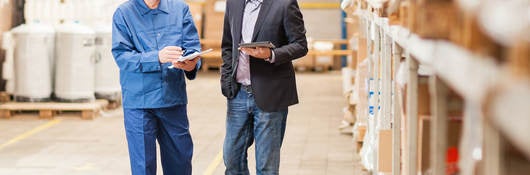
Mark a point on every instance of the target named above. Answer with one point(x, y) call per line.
point(125, 53)
point(228, 86)
point(293, 23)
point(226, 47)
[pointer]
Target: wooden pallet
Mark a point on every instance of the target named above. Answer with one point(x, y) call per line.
point(212, 59)
point(49, 109)
point(4, 97)
point(113, 104)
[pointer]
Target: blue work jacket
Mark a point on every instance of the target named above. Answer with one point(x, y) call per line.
point(138, 34)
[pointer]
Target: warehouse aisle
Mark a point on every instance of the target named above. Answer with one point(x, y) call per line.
point(71, 146)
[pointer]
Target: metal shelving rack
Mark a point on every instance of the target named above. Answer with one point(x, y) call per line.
point(472, 76)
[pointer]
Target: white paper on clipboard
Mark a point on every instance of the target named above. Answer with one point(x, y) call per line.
point(191, 56)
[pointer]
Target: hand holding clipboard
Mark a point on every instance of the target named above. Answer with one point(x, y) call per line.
point(191, 56)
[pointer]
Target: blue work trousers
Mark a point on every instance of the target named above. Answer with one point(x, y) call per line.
point(247, 123)
point(167, 125)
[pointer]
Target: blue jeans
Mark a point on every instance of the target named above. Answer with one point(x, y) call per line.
point(245, 123)
point(167, 125)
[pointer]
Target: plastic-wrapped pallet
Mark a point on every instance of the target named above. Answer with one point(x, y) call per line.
point(33, 45)
point(347, 77)
point(364, 118)
point(107, 76)
point(75, 71)
point(361, 96)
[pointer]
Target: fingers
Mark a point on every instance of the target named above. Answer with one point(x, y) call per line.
point(193, 61)
point(172, 52)
point(178, 64)
point(247, 50)
point(263, 50)
point(173, 48)
point(187, 65)
point(259, 52)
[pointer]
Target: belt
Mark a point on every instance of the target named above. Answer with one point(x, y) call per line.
point(247, 88)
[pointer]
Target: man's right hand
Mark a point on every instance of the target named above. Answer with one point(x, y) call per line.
point(169, 54)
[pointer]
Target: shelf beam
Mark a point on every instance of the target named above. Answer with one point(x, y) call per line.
point(412, 115)
point(396, 110)
point(439, 123)
point(493, 151)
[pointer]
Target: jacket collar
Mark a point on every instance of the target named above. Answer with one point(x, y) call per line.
point(163, 6)
point(260, 1)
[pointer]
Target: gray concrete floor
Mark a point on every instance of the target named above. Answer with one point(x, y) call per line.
point(71, 146)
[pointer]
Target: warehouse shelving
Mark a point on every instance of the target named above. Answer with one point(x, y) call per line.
point(474, 77)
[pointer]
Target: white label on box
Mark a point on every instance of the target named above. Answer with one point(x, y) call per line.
point(324, 60)
point(220, 6)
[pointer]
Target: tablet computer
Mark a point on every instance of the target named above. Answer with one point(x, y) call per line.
point(267, 44)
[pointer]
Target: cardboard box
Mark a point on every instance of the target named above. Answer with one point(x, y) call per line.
point(424, 99)
point(362, 52)
point(431, 18)
point(6, 23)
point(306, 62)
point(196, 10)
point(361, 91)
point(403, 13)
point(384, 151)
point(454, 106)
point(214, 19)
point(349, 115)
point(360, 133)
point(352, 26)
point(467, 33)
point(424, 140)
point(352, 60)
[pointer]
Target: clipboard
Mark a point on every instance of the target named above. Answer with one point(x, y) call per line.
point(194, 55)
point(191, 56)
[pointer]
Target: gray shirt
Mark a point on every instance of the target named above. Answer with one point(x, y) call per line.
point(250, 16)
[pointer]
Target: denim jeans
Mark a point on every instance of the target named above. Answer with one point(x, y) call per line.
point(245, 124)
point(167, 125)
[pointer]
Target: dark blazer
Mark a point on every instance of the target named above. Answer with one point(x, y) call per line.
point(273, 84)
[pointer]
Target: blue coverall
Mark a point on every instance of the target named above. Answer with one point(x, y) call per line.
point(154, 96)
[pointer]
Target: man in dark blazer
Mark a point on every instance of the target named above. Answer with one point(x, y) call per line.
point(259, 82)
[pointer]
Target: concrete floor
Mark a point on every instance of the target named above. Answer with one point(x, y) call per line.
point(70, 146)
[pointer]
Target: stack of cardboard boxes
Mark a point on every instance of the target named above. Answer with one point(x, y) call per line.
point(6, 23)
point(214, 11)
point(196, 10)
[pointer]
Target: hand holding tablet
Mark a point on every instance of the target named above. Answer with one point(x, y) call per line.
point(266, 44)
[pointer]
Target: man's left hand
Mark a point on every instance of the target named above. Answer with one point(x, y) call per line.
point(259, 52)
point(188, 65)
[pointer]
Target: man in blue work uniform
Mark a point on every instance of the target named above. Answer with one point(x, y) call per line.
point(147, 37)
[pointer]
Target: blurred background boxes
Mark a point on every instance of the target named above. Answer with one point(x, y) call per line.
point(214, 19)
point(197, 12)
point(6, 23)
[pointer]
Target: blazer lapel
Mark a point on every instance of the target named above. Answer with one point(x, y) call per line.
point(263, 12)
point(238, 20)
